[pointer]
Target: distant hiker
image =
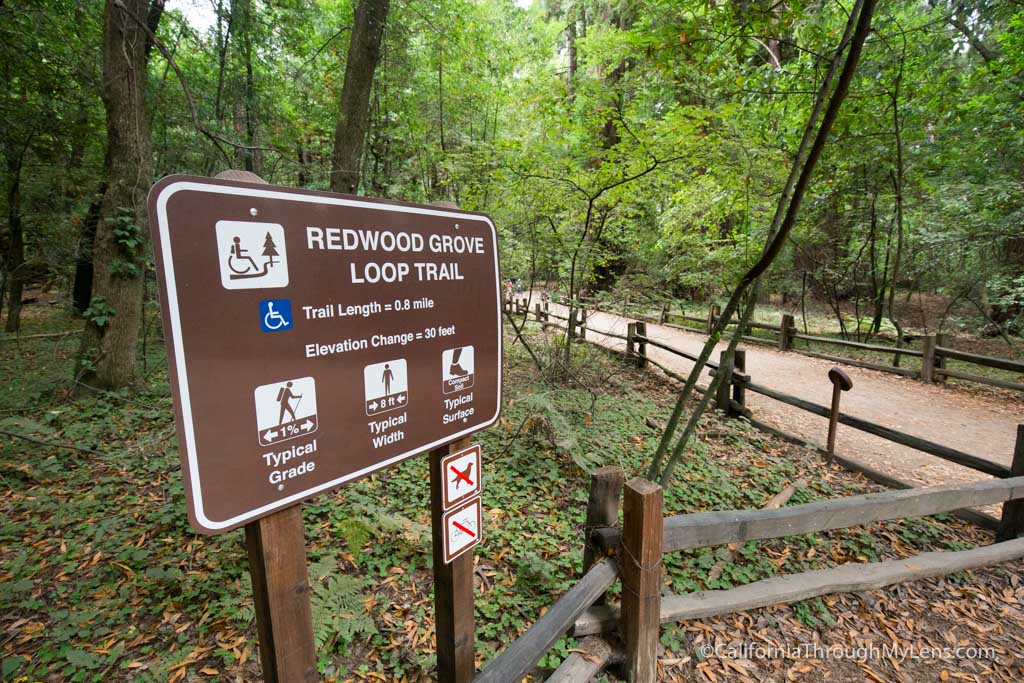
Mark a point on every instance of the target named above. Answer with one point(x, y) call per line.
point(284, 397)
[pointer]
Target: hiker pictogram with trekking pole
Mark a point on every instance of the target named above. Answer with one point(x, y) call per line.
point(285, 410)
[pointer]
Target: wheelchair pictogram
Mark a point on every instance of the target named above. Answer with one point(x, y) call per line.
point(251, 255)
point(275, 315)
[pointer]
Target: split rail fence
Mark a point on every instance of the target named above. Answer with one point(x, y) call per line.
point(626, 634)
point(934, 354)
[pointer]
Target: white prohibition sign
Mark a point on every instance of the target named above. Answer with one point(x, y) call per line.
point(461, 472)
point(462, 529)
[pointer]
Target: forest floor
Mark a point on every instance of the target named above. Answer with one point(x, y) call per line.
point(979, 422)
point(102, 579)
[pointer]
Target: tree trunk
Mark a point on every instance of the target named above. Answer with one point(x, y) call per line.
point(15, 261)
point(353, 110)
point(81, 293)
point(250, 157)
point(108, 355)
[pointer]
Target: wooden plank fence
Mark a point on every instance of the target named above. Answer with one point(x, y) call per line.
point(934, 354)
point(632, 553)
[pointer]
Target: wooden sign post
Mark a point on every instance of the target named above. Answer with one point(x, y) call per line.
point(453, 586)
point(280, 586)
point(313, 339)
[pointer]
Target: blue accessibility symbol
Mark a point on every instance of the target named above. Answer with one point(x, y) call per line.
point(276, 315)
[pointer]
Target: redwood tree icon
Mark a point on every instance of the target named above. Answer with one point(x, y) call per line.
point(270, 249)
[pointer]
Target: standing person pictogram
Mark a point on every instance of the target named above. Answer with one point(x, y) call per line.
point(285, 410)
point(386, 386)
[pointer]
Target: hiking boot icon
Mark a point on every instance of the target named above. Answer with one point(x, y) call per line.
point(457, 369)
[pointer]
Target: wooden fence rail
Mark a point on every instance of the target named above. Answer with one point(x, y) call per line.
point(733, 403)
point(887, 433)
point(646, 536)
point(934, 355)
point(705, 529)
point(708, 529)
point(522, 655)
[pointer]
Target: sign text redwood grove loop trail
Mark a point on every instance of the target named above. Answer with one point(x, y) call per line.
point(314, 338)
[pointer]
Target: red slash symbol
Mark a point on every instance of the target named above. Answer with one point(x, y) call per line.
point(462, 528)
point(463, 476)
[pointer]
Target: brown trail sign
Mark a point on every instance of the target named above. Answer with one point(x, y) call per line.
point(312, 339)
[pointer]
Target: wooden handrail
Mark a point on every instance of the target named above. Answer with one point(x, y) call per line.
point(860, 345)
point(978, 359)
point(525, 651)
point(889, 434)
point(705, 529)
point(789, 588)
point(678, 352)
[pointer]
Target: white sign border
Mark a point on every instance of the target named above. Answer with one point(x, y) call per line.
point(445, 483)
point(446, 518)
point(178, 341)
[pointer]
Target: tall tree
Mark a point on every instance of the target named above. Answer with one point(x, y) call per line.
point(114, 317)
point(364, 50)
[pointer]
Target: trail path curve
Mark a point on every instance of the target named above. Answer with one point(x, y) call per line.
point(980, 425)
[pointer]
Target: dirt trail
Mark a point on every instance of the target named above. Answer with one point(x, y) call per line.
point(979, 425)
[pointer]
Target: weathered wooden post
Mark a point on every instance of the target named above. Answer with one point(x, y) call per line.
point(281, 596)
point(663, 316)
point(602, 509)
point(928, 359)
point(724, 392)
point(640, 563)
point(583, 324)
point(453, 585)
point(631, 343)
point(276, 548)
point(1012, 523)
point(940, 360)
point(840, 382)
point(786, 329)
point(739, 390)
point(538, 312)
point(640, 338)
point(571, 326)
point(713, 314)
